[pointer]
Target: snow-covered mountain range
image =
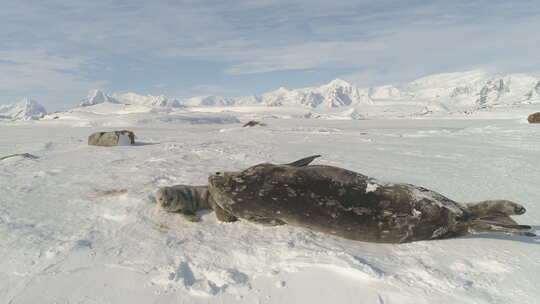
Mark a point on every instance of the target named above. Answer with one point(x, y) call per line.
point(476, 88)
point(460, 92)
point(25, 109)
point(337, 93)
point(147, 100)
point(442, 92)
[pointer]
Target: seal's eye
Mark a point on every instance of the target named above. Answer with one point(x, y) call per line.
point(218, 173)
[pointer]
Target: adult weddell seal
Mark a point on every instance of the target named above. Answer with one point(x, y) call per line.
point(351, 205)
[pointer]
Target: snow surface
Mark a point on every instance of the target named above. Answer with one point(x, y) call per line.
point(79, 224)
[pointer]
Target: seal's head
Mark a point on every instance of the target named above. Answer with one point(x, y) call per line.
point(167, 200)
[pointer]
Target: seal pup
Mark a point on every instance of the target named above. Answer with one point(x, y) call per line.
point(351, 205)
point(187, 200)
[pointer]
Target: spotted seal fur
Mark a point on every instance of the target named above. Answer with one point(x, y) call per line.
point(353, 206)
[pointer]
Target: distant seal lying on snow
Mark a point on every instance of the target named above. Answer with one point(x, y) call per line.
point(109, 139)
point(351, 205)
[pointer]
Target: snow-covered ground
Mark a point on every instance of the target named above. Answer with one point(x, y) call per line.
point(79, 224)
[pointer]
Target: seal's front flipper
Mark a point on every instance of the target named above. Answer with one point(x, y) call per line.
point(493, 225)
point(303, 162)
point(221, 214)
point(501, 219)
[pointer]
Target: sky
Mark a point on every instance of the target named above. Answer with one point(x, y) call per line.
point(55, 51)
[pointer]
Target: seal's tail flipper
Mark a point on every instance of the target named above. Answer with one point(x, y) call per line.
point(500, 219)
point(303, 162)
point(500, 224)
point(493, 216)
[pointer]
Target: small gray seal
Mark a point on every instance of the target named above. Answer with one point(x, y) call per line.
point(187, 200)
point(351, 205)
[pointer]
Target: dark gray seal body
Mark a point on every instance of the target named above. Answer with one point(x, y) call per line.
point(351, 205)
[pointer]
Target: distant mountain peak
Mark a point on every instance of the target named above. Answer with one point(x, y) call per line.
point(24, 109)
point(282, 90)
point(338, 83)
point(95, 97)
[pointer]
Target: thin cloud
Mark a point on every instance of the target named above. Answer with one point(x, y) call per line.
point(33, 73)
point(60, 41)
